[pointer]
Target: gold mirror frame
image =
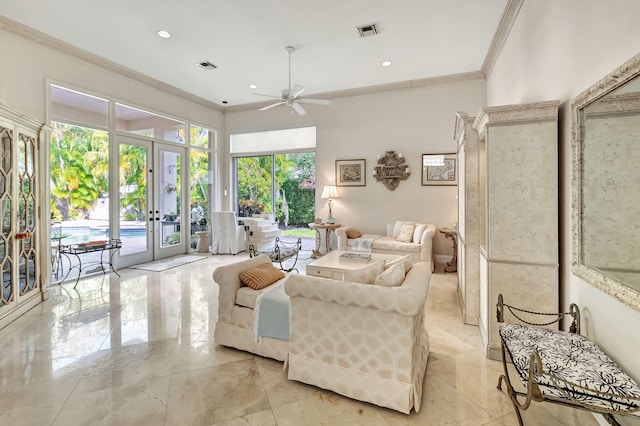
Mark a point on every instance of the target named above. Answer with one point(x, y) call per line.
point(612, 287)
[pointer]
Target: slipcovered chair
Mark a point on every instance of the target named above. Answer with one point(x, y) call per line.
point(227, 236)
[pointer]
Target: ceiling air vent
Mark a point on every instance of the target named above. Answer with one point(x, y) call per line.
point(206, 65)
point(368, 30)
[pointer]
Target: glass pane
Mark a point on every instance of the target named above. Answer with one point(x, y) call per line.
point(303, 138)
point(5, 268)
point(295, 189)
point(77, 107)
point(169, 180)
point(134, 214)
point(27, 270)
point(254, 185)
point(199, 193)
point(199, 137)
point(6, 140)
point(79, 181)
point(5, 212)
point(144, 123)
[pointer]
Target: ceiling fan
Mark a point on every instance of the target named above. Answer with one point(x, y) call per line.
point(291, 97)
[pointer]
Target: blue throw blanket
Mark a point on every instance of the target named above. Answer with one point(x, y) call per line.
point(364, 242)
point(272, 314)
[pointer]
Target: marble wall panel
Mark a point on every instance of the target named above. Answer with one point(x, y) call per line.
point(522, 193)
point(529, 287)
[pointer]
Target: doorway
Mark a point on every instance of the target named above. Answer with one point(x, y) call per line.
point(150, 211)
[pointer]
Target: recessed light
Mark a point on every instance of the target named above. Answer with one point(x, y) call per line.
point(386, 63)
point(225, 102)
point(163, 33)
point(252, 86)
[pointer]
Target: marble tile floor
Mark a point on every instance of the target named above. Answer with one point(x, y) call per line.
point(139, 350)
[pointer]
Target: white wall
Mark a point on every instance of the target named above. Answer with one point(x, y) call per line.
point(556, 50)
point(412, 121)
point(25, 66)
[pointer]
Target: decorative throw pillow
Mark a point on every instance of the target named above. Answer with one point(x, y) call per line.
point(406, 260)
point(417, 233)
point(353, 233)
point(406, 232)
point(392, 277)
point(366, 275)
point(397, 226)
point(261, 276)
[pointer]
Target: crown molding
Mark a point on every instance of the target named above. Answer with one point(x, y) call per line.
point(45, 40)
point(504, 28)
point(368, 90)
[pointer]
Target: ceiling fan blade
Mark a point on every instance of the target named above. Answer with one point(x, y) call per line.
point(314, 101)
point(268, 96)
point(298, 109)
point(271, 106)
point(296, 91)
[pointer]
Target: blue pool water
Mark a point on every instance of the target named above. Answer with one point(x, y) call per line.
point(82, 234)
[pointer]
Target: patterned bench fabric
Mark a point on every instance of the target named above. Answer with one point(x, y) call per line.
point(572, 358)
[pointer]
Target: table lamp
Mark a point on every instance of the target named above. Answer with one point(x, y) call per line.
point(330, 192)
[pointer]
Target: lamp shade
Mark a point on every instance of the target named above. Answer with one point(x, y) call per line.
point(330, 191)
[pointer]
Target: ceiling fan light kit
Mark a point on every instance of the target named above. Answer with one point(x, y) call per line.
point(291, 97)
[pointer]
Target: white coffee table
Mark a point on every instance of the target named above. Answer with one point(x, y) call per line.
point(331, 266)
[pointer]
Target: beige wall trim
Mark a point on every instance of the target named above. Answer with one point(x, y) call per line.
point(408, 84)
point(504, 27)
point(35, 36)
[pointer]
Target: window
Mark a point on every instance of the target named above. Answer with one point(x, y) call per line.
point(144, 123)
point(275, 174)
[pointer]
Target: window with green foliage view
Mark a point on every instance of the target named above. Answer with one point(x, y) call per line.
point(280, 184)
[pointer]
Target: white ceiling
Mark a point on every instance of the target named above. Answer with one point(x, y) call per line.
point(246, 40)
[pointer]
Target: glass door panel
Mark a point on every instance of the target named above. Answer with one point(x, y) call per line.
point(169, 233)
point(133, 190)
point(199, 193)
point(169, 198)
point(6, 200)
point(26, 214)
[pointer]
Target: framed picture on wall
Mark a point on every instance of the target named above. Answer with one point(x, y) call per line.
point(439, 169)
point(350, 173)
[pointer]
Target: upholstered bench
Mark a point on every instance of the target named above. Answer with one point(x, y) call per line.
point(563, 367)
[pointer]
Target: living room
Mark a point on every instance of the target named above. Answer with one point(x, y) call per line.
point(553, 50)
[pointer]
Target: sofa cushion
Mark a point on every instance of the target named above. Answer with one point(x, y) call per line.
point(261, 276)
point(392, 277)
point(397, 226)
point(246, 296)
point(406, 260)
point(387, 243)
point(353, 233)
point(366, 275)
point(406, 232)
point(418, 231)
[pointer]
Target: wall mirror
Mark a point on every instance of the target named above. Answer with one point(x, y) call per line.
point(606, 184)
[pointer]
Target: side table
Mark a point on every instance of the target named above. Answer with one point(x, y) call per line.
point(329, 228)
point(452, 266)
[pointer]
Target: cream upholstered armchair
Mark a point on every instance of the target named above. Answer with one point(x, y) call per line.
point(227, 235)
point(365, 341)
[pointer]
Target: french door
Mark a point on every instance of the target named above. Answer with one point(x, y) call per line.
point(151, 204)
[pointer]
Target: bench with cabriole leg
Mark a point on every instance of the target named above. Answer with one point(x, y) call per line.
point(562, 367)
point(281, 252)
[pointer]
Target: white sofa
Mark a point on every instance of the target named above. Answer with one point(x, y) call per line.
point(420, 251)
point(235, 325)
point(364, 341)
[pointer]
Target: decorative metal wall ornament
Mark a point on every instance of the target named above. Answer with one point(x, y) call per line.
point(392, 169)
